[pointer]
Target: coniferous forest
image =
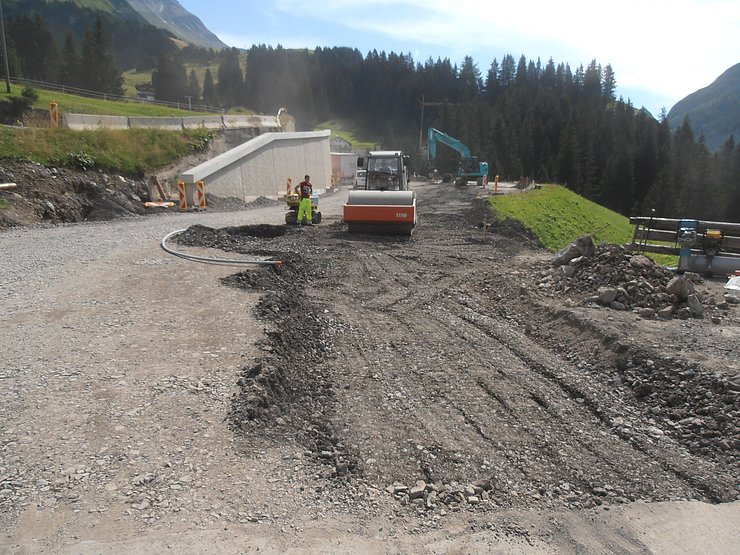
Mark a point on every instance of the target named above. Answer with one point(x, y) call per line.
point(544, 121)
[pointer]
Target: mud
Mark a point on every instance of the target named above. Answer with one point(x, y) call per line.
point(437, 369)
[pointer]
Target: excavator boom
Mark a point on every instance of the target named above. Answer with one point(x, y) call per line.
point(469, 167)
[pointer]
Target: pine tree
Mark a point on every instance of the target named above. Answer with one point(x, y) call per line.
point(193, 87)
point(469, 79)
point(210, 96)
point(492, 86)
point(38, 57)
point(661, 197)
point(230, 79)
point(170, 80)
point(608, 83)
point(70, 66)
point(101, 73)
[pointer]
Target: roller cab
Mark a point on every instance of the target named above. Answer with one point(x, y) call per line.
point(384, 205)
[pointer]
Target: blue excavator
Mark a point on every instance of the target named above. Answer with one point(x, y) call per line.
point(470, 167)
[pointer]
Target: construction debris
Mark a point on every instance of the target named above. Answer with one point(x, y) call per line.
point(613, 277)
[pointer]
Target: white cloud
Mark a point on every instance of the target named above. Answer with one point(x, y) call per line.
point(671, 47)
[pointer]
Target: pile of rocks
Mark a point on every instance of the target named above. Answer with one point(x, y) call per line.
point(611, 276)
point(430, 495)
point(683, 400)
point(455, 496)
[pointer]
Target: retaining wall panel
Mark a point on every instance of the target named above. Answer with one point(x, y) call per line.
point(208, 122)
point(89, 122)
point(171, 124)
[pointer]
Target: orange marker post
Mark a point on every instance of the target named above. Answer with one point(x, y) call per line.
point(200, 195)
point(181, 194)
point(53, 115)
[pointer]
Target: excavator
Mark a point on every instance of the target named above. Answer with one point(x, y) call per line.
point(383, 204)
point(470, 167)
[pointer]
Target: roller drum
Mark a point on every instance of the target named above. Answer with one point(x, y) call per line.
point(382, 198)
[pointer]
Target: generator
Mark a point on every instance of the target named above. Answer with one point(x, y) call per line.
point(703, 247)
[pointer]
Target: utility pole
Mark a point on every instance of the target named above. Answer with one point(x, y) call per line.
point(423, 103)
point(5, 49)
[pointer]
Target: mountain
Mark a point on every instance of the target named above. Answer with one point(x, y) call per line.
point(171, 16)
point(713, 111)
point(140, 29)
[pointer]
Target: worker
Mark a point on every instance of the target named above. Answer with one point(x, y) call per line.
point(304, 190)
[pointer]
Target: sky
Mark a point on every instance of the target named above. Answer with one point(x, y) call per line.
point(660, 50)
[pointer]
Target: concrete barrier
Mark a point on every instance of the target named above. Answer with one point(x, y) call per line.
point(254, 121)
point(209, 122)
point(260, 167)
point(80, 122)
point(171, 124)
point(91, 121)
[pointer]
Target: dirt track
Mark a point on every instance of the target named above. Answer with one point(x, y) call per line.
point(385, 363)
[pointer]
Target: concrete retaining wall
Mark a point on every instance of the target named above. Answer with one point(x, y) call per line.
point(209, 122)
point(168, 124)
point(264, 122)
point(87, 121)
point(84, 122)
point(261, 167)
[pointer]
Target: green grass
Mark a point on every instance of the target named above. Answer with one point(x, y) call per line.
point(349, 131)
point(4, 203)
point(131, 151)
point(557, 216)
point(74, 104)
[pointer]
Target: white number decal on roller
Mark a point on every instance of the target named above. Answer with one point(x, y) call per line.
point(401, 215)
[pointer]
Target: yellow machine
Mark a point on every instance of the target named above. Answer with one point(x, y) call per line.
point(293, 201)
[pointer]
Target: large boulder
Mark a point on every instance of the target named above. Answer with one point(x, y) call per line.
point(581, 247)
point(680, 287)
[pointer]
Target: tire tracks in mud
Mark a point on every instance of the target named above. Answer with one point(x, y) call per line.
point(417, 378)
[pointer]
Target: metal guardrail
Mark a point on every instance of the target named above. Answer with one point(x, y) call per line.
point(186, 106)
point(666, 231)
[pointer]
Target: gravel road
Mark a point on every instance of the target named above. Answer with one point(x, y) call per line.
point(378, 395)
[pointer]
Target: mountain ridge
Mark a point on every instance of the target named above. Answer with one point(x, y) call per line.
point(714, 111)
point(167, 16)
point(171, 16)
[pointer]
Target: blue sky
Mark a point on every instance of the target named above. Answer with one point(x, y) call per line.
point(660, 50)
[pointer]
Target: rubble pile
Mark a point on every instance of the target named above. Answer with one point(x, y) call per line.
point(456, 496)
point(613, 277)
point(430, 495)
point(685, 401)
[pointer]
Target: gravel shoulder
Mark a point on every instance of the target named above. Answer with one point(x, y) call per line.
point(148, 402)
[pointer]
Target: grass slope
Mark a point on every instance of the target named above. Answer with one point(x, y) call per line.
point(74, 104)
point(557, 216)
point(131, 151)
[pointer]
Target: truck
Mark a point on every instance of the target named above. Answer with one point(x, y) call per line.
point(384, 204)
point(469, 167)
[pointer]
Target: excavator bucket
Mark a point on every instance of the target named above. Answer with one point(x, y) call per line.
point(381, 212)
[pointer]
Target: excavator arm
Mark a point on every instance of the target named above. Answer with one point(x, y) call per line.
point(470, 167)
point(434, 135)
